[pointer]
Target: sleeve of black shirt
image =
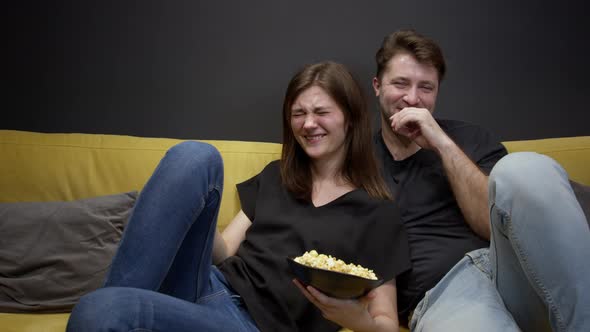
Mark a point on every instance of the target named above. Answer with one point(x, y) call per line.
point(248, 192)
point(488, 151)
point(481, 146)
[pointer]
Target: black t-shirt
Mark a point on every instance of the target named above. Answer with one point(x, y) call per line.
point(353, 227)
point(437, 232)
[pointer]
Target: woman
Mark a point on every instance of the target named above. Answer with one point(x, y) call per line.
point(324, 194)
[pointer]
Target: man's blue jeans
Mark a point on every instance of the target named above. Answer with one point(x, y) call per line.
point(536, 274)
point(162, 278)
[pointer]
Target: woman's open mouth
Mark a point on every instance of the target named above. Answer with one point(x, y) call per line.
point(314, 138)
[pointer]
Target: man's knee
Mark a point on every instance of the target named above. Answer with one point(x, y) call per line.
point(524, 172)
point(520, 168)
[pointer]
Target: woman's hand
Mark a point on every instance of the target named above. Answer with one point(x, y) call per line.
point(376, 311)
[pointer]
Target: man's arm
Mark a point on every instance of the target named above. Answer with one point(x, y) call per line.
point(469, 184)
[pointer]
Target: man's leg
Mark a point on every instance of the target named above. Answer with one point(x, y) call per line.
point(540, 244)
point(464, 300)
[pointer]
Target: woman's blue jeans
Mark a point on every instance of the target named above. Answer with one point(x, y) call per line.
point(535, 275)
point(162, 278)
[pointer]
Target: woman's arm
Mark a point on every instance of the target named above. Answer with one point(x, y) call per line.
point(226, 244)
point(377, 311)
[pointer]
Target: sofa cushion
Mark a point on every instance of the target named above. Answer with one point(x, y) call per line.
point(582, 193)
point(51, 253)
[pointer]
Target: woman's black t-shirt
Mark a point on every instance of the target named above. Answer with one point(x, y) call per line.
point(353, 227)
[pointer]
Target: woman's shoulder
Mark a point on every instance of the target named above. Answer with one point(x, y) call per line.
point(271, 170)
point(273, 166)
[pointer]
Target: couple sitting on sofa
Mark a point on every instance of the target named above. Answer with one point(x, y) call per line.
point(417, 203)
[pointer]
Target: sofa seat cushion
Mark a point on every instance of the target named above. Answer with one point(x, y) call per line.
point(33, 322)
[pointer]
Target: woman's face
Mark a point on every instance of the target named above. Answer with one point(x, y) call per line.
point(319, 125)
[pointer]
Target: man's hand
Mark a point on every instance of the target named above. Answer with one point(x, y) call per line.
point(418, 125)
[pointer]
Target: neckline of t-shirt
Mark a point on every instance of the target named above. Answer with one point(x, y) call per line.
point(332, 202)
point(415, 156)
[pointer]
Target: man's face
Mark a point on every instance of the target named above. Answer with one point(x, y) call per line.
point(406, 83)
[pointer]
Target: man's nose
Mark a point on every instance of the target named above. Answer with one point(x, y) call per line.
point(411, 97)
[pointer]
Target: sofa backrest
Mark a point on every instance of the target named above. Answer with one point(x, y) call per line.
point(57, 167)
point(573, 153)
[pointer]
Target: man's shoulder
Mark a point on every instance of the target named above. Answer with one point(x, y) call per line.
point(463, 130)
point(452, 126)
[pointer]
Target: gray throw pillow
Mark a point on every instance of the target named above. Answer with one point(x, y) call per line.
point(582, 193)
point(52, 253)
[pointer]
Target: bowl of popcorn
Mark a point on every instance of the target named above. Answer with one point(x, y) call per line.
point(333, 276)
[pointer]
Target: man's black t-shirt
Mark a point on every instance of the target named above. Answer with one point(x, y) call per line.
point(353, 227)
point(438, 234)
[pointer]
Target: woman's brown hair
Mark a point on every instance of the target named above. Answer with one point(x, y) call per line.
point(360, 164)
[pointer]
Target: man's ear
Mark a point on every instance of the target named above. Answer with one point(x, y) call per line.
point(376, 86)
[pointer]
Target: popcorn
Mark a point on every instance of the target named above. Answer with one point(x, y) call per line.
point(327, 262)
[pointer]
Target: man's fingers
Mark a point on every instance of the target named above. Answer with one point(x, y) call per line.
point(405, 126)
point(404, 119)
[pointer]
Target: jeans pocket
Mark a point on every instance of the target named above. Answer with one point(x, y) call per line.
point(419, 310)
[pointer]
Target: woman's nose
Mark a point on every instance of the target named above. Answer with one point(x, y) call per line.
point(310, 121)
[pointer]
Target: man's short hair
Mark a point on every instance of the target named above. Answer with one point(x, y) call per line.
point(424, 49)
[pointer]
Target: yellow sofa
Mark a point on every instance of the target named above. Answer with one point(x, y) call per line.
point(57, 167)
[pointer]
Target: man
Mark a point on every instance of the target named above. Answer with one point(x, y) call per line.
point(533, 274)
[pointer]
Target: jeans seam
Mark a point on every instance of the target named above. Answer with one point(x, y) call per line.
point(206, 298)
point(195, 216)
point(419, 312)
point(536, 282)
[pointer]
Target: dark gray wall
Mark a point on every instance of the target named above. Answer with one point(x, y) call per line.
point(218, 69)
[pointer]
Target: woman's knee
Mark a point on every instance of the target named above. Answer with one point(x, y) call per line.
point(197, 152)
point(191, 161)
point(94, 311)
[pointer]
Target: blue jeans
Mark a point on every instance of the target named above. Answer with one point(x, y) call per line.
point(535, 275)
point(162, 277)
